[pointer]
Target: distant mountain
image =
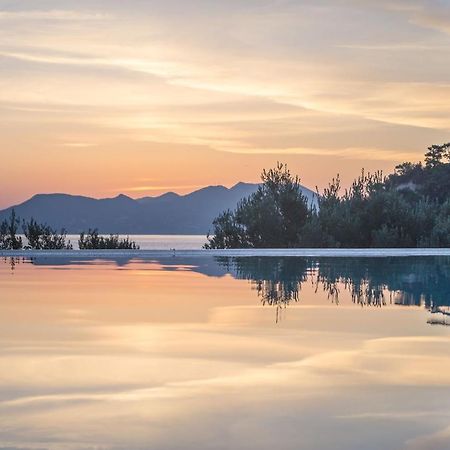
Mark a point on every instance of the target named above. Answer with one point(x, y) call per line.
point(169, 213)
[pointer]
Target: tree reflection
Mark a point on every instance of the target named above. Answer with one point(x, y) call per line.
point(371, 282)
point(277, 281)
point(13, 261)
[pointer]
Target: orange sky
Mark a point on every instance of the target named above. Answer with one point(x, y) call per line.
point(100, 98)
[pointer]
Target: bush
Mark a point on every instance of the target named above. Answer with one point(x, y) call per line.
point(44, 237)
point(92, 241)
point(8, 233)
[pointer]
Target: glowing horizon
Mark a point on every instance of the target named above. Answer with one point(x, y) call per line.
point(100, 98)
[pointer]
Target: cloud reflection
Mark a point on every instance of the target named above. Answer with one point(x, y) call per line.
point(188, 359)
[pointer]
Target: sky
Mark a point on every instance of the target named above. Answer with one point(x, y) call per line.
point(142, 97)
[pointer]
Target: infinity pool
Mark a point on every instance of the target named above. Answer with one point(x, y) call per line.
point(225, 353)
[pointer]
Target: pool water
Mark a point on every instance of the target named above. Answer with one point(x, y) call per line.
point(225, 353)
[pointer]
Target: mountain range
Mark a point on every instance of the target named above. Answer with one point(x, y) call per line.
point(169, 213)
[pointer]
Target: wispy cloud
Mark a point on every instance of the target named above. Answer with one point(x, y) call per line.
point(79, 144)
point(374, 154)
point(157, 188)
point(396, 47)
point(352, 80)
point(54, 14)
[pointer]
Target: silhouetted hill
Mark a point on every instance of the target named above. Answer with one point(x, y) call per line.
point(169, 213)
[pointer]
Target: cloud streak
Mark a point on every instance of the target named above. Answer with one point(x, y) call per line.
point(54, 14)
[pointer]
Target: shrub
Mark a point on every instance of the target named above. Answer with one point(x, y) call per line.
point(8, 233)
point(44, 237)
point(93, 241)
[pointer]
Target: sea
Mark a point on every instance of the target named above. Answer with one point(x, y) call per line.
point(154, 241)
point(158, 241)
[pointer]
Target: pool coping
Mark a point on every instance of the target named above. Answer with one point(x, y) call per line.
point(297, 252)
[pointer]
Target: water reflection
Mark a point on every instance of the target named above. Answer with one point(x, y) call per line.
point(277, 281)
point(177, 353)
point(14, 261)
point(370, 281)
point(374, 282)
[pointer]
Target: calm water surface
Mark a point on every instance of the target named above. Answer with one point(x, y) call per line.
point(243, 353)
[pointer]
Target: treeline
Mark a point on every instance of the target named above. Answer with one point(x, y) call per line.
point(408, 208)
point(43, 237)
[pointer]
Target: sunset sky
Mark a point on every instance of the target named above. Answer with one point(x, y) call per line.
point(141, 97)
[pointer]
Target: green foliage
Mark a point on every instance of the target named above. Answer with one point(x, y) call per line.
point(409, 208)
point(273, 216)
point(93, 241)
point(44, 237)
point(431, 181)
point(437, 154)
point(227, 232)
point(440, 233)
point(8, 233)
